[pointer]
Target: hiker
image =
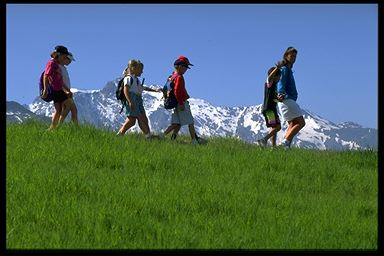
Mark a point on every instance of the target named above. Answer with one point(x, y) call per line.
point(53, 77)
point(72, 106)
point(134, 108)
point(182, 114)
point(287, 96)
point(269, 109)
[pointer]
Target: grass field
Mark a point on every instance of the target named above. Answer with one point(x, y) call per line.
point(89, 189)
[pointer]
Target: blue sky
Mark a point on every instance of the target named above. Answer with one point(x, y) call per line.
point(231, 46)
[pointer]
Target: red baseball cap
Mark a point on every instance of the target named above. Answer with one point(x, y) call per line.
point(182, 60)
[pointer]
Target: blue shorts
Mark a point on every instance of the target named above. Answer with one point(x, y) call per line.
point(138, 106)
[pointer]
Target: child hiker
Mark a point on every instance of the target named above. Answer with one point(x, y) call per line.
point(287, 96)
point(182, 114)
point(71, 107)
point(134, 108)
point(269, 109)
point(53, 77)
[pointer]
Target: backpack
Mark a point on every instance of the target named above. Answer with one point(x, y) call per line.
point(49, 97)
point(170, 100)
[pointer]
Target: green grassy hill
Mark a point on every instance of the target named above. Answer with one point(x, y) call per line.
point(87, 188)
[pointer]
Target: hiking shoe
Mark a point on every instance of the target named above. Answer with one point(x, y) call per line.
point(285, 144)
point(261, 143)
point(161, 136)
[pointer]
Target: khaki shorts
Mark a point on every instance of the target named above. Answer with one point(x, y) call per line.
point(182, 117)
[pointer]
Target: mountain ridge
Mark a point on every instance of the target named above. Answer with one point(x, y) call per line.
point(100, 108)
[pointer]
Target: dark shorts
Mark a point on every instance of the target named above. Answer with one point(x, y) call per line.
point(59, 96)
point(271, 117)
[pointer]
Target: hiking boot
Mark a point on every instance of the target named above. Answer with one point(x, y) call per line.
point(261, 143)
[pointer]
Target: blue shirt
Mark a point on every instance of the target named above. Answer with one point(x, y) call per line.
point(286, 84)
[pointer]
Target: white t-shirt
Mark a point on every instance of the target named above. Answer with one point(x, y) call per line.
point(136, 87)
point(65, 75)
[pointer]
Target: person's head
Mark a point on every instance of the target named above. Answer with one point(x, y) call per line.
point(181, 64)
point(276, 76)
point(68, 59)
point(290, 55)
point(62, 55)
point(135, 67)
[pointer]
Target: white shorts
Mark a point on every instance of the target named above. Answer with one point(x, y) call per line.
point(289, 109)
point(182, 117)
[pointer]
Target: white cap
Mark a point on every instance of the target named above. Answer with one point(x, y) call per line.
point(70, 56)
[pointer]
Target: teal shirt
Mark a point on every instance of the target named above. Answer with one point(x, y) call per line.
point(286, 84)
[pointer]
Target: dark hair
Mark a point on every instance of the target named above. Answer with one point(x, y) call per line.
point(289, 50)
point(277, 72)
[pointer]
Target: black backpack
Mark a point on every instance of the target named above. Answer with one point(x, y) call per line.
point(170, 100)
point(49, 97)
point(120, 92)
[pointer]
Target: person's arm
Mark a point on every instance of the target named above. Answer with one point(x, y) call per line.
point(179, 89)
point(281, 85)
point(67, 90)
point(148, 89)
point(126, 93)
point(278, 65)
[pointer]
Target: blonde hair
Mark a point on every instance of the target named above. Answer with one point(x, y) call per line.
point(132, 65)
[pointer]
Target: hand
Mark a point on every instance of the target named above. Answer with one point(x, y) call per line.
point(280, 97)
point(70, 94)
point(45, 94)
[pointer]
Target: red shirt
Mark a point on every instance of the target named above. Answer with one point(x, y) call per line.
point(180, 91)
point(53, 71)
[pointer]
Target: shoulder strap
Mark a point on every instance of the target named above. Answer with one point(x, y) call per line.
point(130, 80)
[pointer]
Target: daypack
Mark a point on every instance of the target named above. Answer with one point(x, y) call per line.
point(170, 100)
point(120, 91)
point(49, 97)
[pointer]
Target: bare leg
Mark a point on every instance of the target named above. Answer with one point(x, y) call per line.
point(172, 127)
point(129, 122)
point(294, 127)
point(66, 107)
point(143, 123)
point(74, 114)
point(192, 131)
point(56, 115)
point(272, 134)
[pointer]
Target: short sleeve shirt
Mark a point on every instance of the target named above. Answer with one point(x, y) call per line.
point(53, 71)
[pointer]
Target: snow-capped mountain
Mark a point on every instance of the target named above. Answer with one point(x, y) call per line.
point(18, 113)
point(100, 108)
